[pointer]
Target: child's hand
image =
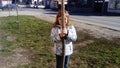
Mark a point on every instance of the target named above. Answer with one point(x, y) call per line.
point(63, 32)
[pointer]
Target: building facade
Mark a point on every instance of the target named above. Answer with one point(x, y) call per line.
point(54, 4)
point(100, 6)
point(83, 5)
point(80, 5)
point(4, 2)
point(114, 6)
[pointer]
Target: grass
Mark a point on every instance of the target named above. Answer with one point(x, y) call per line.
point(34, 35)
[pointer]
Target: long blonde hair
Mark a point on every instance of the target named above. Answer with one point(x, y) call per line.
point(59, 15)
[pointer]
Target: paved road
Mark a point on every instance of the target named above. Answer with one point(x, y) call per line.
point(111, 22)
point(81, 21)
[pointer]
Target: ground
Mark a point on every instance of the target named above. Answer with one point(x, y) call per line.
point(14, 59)
point(96, 31)
point(18, 56)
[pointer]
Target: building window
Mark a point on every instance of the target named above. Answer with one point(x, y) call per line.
point(78, 3)
point(114, 4)
point(83, 2)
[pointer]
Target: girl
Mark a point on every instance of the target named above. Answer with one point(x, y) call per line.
point(68, 33)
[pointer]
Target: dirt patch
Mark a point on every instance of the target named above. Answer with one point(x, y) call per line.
point(14, 59)
point(17, 57)
point(11, 38)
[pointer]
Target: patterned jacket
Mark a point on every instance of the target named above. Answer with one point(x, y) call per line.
point(71, 36)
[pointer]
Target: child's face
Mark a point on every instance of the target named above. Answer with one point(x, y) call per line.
point(60, 20)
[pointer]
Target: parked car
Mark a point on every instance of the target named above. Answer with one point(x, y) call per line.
point(9, 7)
point(38, 6)
point(41, 6)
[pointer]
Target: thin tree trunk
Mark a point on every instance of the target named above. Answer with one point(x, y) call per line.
point(63, 26)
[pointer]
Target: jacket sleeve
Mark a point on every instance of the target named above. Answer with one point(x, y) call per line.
point(72, 36)
point(55, 35)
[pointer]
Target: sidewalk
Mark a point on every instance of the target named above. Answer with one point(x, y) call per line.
point(96, 31)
